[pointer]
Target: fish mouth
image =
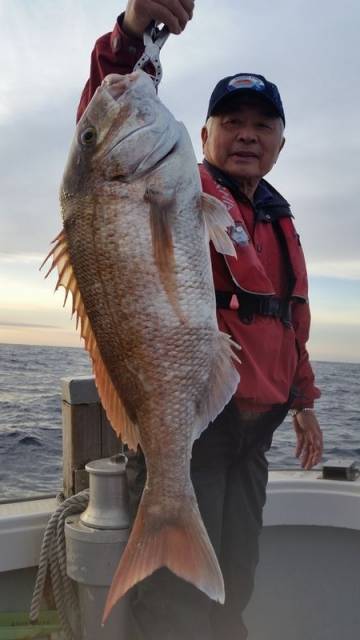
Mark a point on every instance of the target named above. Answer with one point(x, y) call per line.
point(115, 95)
point(164, 142)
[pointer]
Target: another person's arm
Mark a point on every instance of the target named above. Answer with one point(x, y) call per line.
point(114, 52)
point(119, 50)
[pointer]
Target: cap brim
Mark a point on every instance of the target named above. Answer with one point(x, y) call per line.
point(223, 103)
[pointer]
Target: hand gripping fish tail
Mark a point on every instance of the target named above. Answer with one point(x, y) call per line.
point(177, 540)
point(134, 253)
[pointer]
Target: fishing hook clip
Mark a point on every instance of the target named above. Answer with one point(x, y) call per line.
point(154, 39)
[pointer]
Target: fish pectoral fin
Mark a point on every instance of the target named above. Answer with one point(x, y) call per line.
point(113, 406)
point(223, 382)
point(178, 541)
point(161, 219)
point(217, 220)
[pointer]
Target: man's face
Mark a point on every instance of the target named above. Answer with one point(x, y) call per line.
point(244, 140)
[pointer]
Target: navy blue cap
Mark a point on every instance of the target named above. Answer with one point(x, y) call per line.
point(246, 82)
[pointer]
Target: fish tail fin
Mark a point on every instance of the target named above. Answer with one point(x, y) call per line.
point(179, 542)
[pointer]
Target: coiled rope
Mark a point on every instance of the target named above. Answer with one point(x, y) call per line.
point(53, 560)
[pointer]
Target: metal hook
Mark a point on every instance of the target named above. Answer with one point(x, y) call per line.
point(154, 40)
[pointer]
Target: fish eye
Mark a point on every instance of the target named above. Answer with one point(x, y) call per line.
point(88, 136)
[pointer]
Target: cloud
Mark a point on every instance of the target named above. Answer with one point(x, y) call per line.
point(346, 269)
point(313, 57)
point(313, 61)
point(31, 167)
point(33, 335)
point(334, 342)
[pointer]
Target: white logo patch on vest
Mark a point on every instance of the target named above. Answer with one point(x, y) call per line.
point(246, 82)
point(239, 235)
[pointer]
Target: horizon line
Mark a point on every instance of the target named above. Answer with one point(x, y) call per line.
point(82, 348)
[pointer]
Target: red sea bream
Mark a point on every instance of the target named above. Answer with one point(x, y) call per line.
point(134, 253)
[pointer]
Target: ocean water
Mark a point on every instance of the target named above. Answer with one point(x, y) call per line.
point(31, 430)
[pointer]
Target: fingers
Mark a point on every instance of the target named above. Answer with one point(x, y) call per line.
point(311, 452)
point(311, 456)
point(309, 440)
point(174, 13)
point(300, 443)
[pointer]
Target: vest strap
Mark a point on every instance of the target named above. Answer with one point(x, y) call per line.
point(250, 304)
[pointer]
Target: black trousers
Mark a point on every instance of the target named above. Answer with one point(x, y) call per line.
point(229, 472)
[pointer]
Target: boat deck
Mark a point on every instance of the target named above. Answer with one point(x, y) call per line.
point(307, 585)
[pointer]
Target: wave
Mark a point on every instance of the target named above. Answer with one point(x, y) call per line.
point(30, 416)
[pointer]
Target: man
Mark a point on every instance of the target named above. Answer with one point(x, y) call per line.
point(262, 303)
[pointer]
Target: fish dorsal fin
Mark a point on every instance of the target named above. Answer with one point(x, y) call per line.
point(223, 382)
point(114, 408)
point(217, 220)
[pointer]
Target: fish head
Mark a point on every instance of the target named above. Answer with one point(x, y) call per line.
point(124, 133)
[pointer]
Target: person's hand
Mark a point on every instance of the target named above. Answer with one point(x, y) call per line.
point(309, 439)
point(174, 13)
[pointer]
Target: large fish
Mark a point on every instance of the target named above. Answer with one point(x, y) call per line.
point(134, 252)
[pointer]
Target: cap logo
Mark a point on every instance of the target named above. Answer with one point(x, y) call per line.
point(246, 82)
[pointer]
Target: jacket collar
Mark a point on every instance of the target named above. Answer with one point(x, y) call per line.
point(267, 201)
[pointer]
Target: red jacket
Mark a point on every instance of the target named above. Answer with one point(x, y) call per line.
point(274, 356)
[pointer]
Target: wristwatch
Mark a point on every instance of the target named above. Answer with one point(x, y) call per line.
point(294, 412)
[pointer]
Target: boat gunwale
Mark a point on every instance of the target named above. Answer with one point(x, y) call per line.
point(294, 498)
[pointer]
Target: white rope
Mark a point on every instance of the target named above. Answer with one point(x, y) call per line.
point(53, 560)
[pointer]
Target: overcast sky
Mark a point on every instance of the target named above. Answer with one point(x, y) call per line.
point(311, 51)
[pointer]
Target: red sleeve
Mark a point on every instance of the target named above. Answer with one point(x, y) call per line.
point(304, 382)
point(115, 52)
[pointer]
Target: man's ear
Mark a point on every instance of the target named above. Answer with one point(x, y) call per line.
point(204, 135)
point(280, 148)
